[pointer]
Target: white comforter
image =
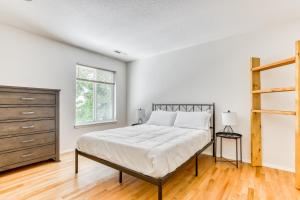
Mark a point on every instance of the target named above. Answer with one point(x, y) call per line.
point(148, 149)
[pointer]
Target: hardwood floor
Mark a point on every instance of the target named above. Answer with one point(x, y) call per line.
point(52, 180)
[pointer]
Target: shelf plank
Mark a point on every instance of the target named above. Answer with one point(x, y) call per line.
point(275, 64)
point(279, 112)
point(270, 90)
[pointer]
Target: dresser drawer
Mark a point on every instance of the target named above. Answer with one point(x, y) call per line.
point(12, 98)
point(18, 128)
point(26, 113)
point(26, 141)
point(25, 155)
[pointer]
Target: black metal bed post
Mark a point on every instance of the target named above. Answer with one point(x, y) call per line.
point(196, 164)
point(120, 176)
point(214, 131)
point(76, 161)
point(159, 187)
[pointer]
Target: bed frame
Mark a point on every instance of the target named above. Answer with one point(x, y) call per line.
point(160, 181)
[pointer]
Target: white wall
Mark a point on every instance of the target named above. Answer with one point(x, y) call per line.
point(219, 72)
point(33, 61)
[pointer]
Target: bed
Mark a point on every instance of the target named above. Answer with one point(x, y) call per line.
point(149, 152)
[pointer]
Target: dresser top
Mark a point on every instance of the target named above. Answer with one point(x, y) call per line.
point(16, 88)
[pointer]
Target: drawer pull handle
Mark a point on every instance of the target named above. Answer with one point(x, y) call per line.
point(28, 113)
point(27, 127)
point(26, 155)
point(27, 98)
point(26, 141)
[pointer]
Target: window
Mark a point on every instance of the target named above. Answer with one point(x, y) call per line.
point(95, 95)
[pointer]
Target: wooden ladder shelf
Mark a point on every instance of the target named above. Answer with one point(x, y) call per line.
point(256, 141)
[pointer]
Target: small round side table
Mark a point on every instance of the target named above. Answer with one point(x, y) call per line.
point(233, 136)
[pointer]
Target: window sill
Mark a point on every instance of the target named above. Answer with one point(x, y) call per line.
point(95, 124)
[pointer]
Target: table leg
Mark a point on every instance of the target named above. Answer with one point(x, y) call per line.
point(241, 150)
point(215, 146)
point(236, 153)
point(221, 148)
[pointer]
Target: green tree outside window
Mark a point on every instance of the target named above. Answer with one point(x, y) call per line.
point(95, 95)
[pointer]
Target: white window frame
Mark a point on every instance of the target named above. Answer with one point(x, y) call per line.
point(95, 122)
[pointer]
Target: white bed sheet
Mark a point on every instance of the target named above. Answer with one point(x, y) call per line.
point(149, 149)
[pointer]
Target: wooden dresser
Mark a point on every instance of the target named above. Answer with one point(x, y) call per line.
point(29, 126)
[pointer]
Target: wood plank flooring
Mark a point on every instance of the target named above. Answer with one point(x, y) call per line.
point(56, 180)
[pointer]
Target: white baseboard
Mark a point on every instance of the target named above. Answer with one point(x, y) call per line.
point(273, 166)
point(67, 151)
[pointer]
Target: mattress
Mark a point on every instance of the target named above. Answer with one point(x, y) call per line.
point(149, 149)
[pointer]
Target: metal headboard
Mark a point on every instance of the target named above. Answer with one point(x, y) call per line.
point(189, 108)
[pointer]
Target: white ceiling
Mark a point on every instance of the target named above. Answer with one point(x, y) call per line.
point(143, 28)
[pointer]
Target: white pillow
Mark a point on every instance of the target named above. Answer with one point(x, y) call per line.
point(196, 120)
point(162, 118)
